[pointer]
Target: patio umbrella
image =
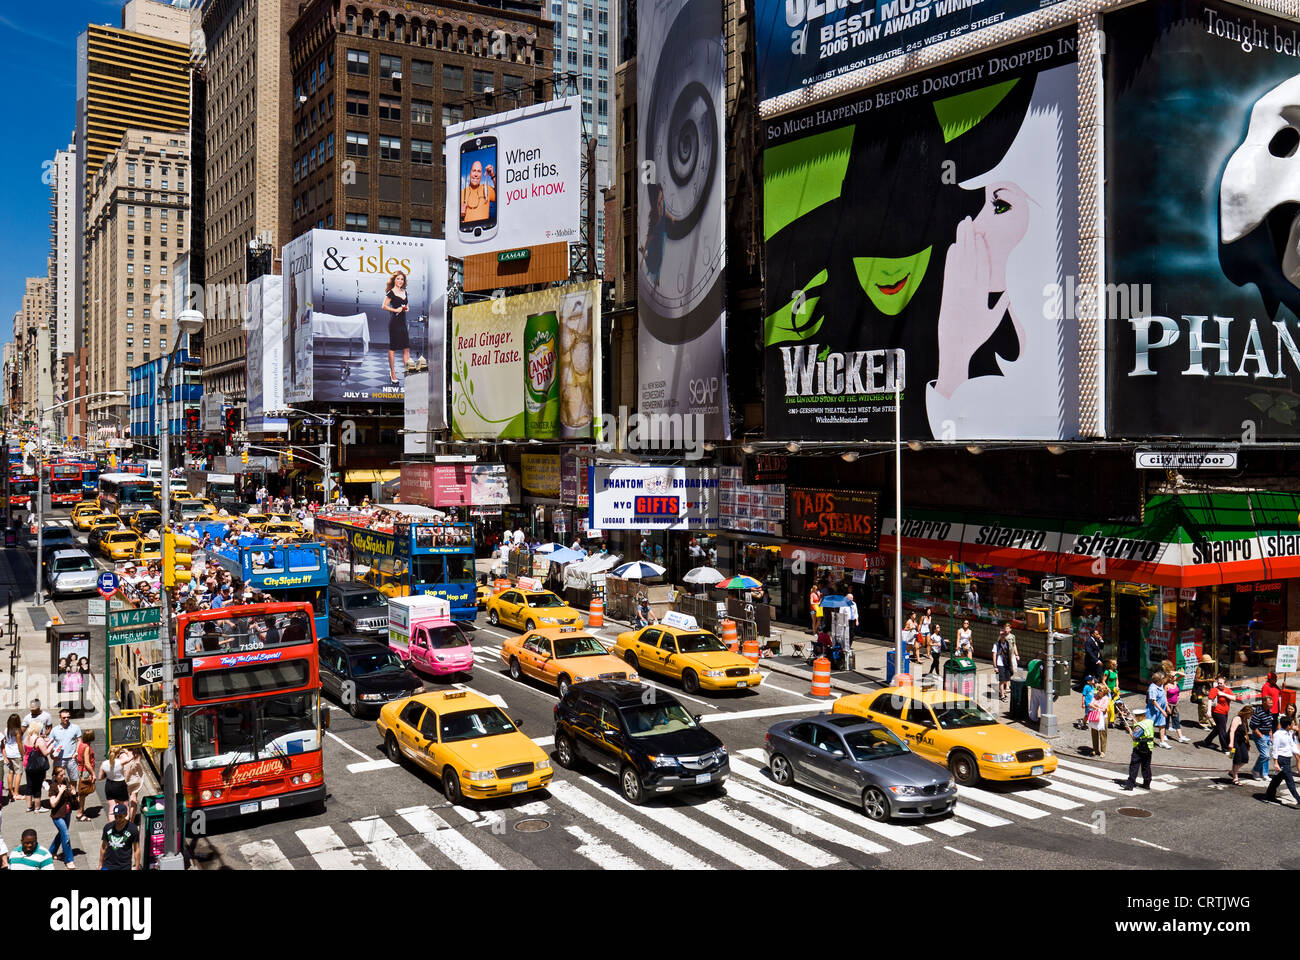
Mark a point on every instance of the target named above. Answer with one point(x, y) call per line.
point(564, 555)
point(703, 575)
point(739, 582)
point(835, 601)
point(547, 548)
point(638, 569)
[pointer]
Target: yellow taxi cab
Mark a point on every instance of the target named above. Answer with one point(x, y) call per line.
point(120, 544)
point(562, 656)
point(149, 550)
point(257, 521)
point(142, 521)
point(181, 496)
point(84, 513)
point(530, 609)
point(281, 530)
point(678, 648)
point(464, 740)
point(482, 593)
point(951, 729)
point(206, 501)
point(287, 519)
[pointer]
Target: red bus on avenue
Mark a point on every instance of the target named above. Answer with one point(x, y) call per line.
point(65, 482)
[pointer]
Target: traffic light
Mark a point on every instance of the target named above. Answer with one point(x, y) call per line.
point(243, 457)
point(288, 455)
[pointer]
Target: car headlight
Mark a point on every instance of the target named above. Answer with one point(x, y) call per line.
point(664, 761)
point(905, 791)
point(999, 757)
point(440, 658)
point(720, 753)
point(543, 764)
point(372, 696)
point(631, 675)
point(715, 673)
point(1048, 752)
point(479, 774)
point(949, 785)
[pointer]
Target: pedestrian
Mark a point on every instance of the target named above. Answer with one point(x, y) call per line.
point(133, 769)
point(853, 615)
point(13, 755)
point(86, 773)
point(937, 644)
point(31, 855)
point(1261, 735)
point(1239, 737)
point(1221, 697)
point(119, 848)
point(1284, 751)
point(909, 635)
point(1089, 688)
point(1098, 711)
point(62, 793)
point(112, 772)
point(1272, 697)
point(1157, 707)
point(1144, 736)
point(1111, 676)
point(1002, 662)
point(923, 632)
point(40, 715)
point(1174, 690)
point(965, 640)
point(66, 736)
point(35, 762)
point(815, 607)
point(1092, 654)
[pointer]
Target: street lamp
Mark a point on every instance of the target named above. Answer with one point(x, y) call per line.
point(329, 443)
point(40, 481)
point(190, 322)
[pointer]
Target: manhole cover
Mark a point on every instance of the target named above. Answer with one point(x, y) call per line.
point(532, 825)
point(1134, 812)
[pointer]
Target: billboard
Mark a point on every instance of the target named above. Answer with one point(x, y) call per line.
point(361, 310)
point(415, 420)
point(540, 474)
point(514, 179)
point(458, 484)
point(913, 233)
point(681, 238)
point(1202, 270)
point(801, 42)
point(264, 347)
point(849, 518)
point(664, 498)
point(528, 366)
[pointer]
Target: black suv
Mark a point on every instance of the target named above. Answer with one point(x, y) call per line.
point(358, 608)
point(364, 675)
point(641, 734)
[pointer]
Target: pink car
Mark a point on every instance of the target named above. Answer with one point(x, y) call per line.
point(436, 647)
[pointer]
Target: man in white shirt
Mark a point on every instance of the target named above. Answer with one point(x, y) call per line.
point(853, 615)
point(518, 537)
point(1284, 750)
point(38, 716)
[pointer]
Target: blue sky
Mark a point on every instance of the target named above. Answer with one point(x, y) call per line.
point(38, 62)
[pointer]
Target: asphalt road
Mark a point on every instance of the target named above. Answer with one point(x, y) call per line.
point(383, 816)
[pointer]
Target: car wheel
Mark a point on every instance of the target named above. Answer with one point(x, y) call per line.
point(964, 769)
point(690, 681)
point(391, 748)
point(515, 672)
point(451, 786)
point(782, 772)
point(630, 783)
point(563, 686)
point(493, 618)
point(530, 626)
point(875, 804)
point(633, 662)
point(564, 754)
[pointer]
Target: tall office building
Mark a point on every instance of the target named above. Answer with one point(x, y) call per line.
point(62, 269)
point(33, 320)
point(582, 48)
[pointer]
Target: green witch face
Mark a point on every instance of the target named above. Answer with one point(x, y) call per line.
point(890, 282)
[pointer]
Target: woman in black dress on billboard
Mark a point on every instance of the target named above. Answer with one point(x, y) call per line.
point(395, 298)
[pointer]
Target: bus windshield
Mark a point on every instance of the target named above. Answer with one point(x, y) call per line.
point(263, 728)
point(236, 633)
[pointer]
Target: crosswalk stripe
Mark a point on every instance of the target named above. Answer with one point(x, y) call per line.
point(454, 846)
point(624, 827)
point(1156, 785)
point(906, 836)
point(976, 815)
point(1047, 799)
point(765, 833)
point(803, 822)
point(999, 802)
point(382, 841)
point(598, 852)
point(1094, 782)
point(708, 839)
point(1079, 793)
point(329, 850)
point(948, 828)
point(264, 855)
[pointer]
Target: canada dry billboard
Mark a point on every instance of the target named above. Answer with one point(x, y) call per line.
point(361, 310)
point(1202, 222)
point(514, 179)
point(528, 366)
point(913, 233)
point(681, 346)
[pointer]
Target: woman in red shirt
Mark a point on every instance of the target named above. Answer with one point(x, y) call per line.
point(1222, 697)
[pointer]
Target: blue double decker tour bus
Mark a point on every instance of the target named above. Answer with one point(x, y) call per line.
point(285, 571)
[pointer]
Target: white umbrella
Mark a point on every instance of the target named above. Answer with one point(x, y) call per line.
point(704, 575)
point(638, 569)
point(547, 548)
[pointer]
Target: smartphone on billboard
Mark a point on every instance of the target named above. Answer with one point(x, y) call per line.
point(478, 188)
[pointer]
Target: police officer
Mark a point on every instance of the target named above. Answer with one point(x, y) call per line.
point(1144, 737)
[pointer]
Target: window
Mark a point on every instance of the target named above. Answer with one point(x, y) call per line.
point(421, 228)
point(388, 66)
point(452, 113)
point(357, 221)
point(329, 145)
point(358, 144)
point(359, 62)
point(888, 705)
point(358, 104)
point(390, 148)
point(453, 78)
point(130, 328)
point(390, 108)
point(421, 111)
point(422, 72)
point(482, 80)
point(390, 224)
point(422, 152)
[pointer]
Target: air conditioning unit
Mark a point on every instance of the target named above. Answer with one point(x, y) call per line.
point(397, 74)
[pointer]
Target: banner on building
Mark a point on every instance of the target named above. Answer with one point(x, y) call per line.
point(574, 477)
point(839, 517)
point(753, 508)
point(264, 369)
point(540, 474)
point(415, 413)
point(681, 214)
point(514, 179)
point(213, 405)
point(801, 42)
point(1202, 272)
point(362, 310)
point(528, 366)
point(458, 485)
point(917, 234)
point(661, 498)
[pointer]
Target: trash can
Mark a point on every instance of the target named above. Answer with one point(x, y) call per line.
point(959, 676)
point(1019, 700)
point(153, 828)
point(889, 665)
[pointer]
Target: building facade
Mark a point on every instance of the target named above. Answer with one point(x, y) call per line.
point(151, 400)
point(33, 320)
point(62, 267)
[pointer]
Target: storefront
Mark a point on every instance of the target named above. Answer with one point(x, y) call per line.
point(863, 575)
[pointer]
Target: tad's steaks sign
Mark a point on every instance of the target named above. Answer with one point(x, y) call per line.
point(850, 517)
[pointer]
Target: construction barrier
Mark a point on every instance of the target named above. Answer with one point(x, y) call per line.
point(821, 682)
point(596, 617)
point(729, 636)
point(903, 680)
point(751, 650)
point(499, 585)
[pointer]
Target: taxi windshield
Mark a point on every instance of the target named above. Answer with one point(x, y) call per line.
point(648, 720)
point(874, 744)
point(543, 600)
point(583, 646)
point(472, 724)
point(699, 643)
point(962, 714)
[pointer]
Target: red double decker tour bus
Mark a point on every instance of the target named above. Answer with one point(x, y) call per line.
point(250, 710)
point(65, 480)
point(21, 490)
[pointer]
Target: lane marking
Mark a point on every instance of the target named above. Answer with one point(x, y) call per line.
point(382, 841)
point(455, 846)
point(349, 746)
point(801, 821)
point(598, 852)
point(329, 850)
point(706, 838)
point(264, 855)
point(948, 828)
point(370, 765)
point(1047, 799)
point(495, 698)
point(975, 815)
point(1079, 793)
point(1149, 844)
point(965, 854)
point(1078, 822)
point(780, 841)
point(1156, 784)
point(628, 829)
point(999, 802)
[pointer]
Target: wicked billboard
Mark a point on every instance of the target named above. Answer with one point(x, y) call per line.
point(1202, 222)
point(912, 232)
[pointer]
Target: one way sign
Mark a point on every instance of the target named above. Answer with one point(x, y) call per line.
point(149, 673)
